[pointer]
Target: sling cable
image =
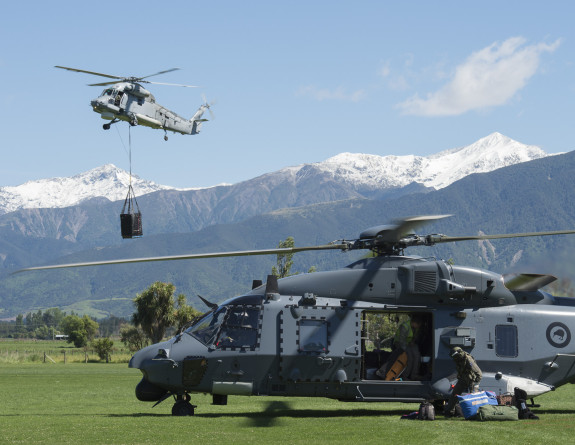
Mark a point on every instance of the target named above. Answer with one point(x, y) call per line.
point(131, 217)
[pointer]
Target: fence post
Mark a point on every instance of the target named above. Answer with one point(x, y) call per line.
point(64, 357)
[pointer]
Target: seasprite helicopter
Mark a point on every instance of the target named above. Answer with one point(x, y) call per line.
point(306, 335)
point(125, 99)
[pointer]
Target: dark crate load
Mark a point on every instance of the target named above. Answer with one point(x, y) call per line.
point(131, 217)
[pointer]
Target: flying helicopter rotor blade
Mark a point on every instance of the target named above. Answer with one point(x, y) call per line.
point(89, 72)
point(170, 84)
point(288, 250)
point(103, 84)
point(159, 72)
point(436, 239)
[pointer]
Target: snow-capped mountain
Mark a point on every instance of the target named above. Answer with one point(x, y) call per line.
point(107, 181)
point(343, 176)
point(436, 171)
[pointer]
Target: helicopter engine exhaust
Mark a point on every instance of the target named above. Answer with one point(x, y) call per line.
point(148, 392)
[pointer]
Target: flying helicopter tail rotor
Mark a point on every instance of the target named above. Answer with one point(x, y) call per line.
point(208, 106)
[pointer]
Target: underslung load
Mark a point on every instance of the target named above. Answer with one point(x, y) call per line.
point(131, 217)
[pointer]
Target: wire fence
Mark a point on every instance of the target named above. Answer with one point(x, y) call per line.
point(46, 352)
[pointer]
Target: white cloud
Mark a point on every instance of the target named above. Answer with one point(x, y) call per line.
point(489, 77)
point(337, 94)
point(385, 69)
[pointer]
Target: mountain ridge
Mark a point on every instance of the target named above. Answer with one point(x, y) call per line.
point(355, 174)
point(533, 196)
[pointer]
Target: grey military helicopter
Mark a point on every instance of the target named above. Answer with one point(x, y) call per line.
point(306, 335)
point(125, 99)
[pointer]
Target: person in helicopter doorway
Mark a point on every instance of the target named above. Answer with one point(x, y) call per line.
point(406, 340)
point(468, 377)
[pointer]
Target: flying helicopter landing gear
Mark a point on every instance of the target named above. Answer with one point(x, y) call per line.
point(183, 407)
point(165, 135)
point(108, 125)
point(133, 119)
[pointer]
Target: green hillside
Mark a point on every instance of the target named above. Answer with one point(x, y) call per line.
point(528, 197)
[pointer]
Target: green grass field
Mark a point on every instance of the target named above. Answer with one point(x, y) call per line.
point(95, 403)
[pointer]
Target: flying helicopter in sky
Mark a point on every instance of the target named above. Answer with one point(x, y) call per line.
point(307, 335)
point(125, 99)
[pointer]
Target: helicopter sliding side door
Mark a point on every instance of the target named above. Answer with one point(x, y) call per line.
point(319, 348)
point(397, 346)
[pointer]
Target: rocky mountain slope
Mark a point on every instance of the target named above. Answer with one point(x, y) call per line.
point(344, 176)
point(526, 197)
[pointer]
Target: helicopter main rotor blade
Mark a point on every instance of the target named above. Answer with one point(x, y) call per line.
point(171, 84)
point(436, 239)
point(287, 250)
point(394, 232)
point(89, 72)
point(159, 72)
point(103, 84)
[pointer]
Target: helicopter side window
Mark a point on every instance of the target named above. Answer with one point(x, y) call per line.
point(240, 329)
point(206, 329)
point(312, 336)
point(506, 341)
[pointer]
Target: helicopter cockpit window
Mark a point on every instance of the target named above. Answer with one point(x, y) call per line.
point(206, 329)
point(312, 336)
point(240, 328)
point(506, 341)
point(108, 92)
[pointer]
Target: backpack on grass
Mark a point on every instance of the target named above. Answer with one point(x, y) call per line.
point(426, 411)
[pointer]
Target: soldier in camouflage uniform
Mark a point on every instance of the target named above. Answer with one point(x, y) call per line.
point(468, 377)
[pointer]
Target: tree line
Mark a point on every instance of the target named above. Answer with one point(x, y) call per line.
point(157, 313)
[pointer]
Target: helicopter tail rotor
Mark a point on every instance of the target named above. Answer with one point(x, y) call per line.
point(208, 106)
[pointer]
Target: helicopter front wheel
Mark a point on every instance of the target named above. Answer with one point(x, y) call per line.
point(183, 408)
point(106, 126)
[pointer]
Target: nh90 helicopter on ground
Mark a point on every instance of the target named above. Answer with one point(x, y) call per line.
point(305, 335)
point(127, 100)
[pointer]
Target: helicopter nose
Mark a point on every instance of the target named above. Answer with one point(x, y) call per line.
point(140, 358)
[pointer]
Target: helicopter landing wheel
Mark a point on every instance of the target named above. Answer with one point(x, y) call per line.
point(166, 137)
point(106, 126)
point(183, 408)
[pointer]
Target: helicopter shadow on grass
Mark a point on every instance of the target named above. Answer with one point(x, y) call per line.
point(274, 412)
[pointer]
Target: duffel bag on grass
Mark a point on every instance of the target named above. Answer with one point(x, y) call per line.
point(500, 412)
point(471, 402)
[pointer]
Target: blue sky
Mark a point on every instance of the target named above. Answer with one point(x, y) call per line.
point(294, 82)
